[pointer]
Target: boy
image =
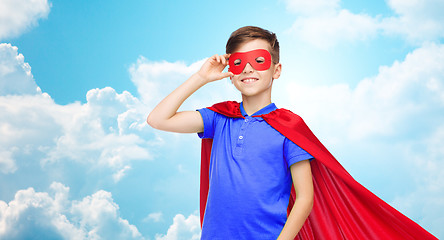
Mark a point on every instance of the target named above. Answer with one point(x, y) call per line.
point(233, 212)
point(255, 159)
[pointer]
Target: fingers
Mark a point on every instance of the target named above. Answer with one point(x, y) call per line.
point(223, 59)
point(221, 76)
point(213, 68)
point(227, 74)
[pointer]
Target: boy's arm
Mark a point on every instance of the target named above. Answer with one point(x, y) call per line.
point(165, 116)
point(303, 184)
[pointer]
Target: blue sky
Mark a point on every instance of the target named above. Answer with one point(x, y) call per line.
point(78, 78)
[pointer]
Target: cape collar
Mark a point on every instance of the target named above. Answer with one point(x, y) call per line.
point(265, 110)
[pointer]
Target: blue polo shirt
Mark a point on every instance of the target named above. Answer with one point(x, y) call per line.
point(250, 179)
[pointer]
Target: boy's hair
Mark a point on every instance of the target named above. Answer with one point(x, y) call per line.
point(249, 33)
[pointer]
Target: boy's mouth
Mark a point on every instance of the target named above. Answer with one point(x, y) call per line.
point(249, 80)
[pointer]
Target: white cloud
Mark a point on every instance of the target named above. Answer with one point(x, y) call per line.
point(121, 173)
point(327, 30)
point(417, 20)
point(17, 16)
point(42, 215)
point(7, 164)
point(108, 131)
point(182, 229)
point(15, 73)
point(99, 216)
point(91, 132)
point(26, 112)
point(27, 127)
point(324, 24)
point(152, 79)
point(155, 217)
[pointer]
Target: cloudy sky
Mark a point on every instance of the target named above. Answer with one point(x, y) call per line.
point(78, 78)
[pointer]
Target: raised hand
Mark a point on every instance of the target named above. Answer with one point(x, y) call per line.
point(212, 69)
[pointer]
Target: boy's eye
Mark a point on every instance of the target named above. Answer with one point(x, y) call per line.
point(260, 60)
point(237, 62)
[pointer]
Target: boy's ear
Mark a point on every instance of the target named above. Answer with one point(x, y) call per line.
point(277, 70)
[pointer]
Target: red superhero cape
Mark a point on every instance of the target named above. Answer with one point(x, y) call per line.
point(343, 208)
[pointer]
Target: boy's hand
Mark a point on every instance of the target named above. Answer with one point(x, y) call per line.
point(212, 69)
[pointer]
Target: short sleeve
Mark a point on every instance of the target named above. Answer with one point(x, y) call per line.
point(293, 153)
point(208, 118)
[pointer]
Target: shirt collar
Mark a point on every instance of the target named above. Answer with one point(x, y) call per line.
point(267, 109)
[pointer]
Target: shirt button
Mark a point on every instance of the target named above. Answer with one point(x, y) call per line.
point(246, 120)
point(241, 137)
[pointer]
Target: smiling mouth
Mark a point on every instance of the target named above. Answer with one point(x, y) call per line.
point(249, 80)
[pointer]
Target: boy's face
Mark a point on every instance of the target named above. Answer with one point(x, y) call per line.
point(254, 76)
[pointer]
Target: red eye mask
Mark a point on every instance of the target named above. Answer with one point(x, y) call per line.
point(259, 59)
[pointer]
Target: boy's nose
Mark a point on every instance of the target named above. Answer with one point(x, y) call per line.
point(248, 68)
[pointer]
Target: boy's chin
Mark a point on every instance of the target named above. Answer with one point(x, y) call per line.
point(250, 93)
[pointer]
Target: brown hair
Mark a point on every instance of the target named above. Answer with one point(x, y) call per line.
point(249, 33)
